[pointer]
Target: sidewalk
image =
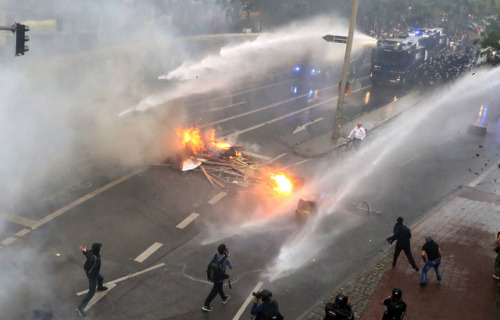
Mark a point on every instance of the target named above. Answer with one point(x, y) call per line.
point(464, 225)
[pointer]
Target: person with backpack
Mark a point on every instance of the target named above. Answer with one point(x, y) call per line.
point(92, 269)
point(340, 309)
point(402, 235)
point(216, 272)
point(268, 309)
point(395, 306)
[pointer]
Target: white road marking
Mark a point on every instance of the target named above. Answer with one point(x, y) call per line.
point(225, 107)
point(89, 196)
point(255, 155)
point(408, 161)
point(483, 175)
point(130, 276)
point(303, 127)
point(187, 221)
point(18, 219)
point(8, 241)
point(295, 164)
point(236, 133)
point(217, 197)
point(276, 158)
point(239, 93)
point(23, 232)
point(98, 296)
point(247, 301)
point(149, 251)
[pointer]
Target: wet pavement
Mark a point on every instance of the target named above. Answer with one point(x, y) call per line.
point(464, 224)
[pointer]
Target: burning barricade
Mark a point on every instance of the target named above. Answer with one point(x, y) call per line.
point(223, 163)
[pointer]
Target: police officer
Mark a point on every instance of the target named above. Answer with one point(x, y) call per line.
point(268, 309)
point(395, 307)
point(340, 309)
point(402, 235)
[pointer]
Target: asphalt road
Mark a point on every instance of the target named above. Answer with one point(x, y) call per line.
point(130, 211)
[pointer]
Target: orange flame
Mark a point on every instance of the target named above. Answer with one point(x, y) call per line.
point(283, 185)
point(210, 137)
point(191, 138)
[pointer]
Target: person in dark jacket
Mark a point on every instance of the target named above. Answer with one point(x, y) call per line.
point(340, 309)
point(92, 269)
point(395, 306)
point(268, 309)
point(222, 257)
point(402, 235)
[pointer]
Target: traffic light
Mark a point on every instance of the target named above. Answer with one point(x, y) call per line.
point(21, 38)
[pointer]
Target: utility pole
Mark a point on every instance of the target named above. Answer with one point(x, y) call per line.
point(337, 123)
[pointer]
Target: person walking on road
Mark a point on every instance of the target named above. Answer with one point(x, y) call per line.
point(358, 133)
point(92, 269)
point(402, 235)
point(221, 257)
point(340, 309)
point(395, 306)
point(433, 252)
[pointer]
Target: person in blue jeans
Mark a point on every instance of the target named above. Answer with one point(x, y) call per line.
point(433, 260)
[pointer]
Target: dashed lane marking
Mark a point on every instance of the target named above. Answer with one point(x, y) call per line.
point(8, 241)
point(149, 251)
point(112, 282)
point(23, 232)
point(247, 301)
point(217, 197)
point(258, 156)
point(225, 107)
point(188, 220)
point(276, 158)
point(18, 219)
point(236, 133)
point(89, 196)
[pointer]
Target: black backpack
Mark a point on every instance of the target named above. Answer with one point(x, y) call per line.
point(394, 311)
point(270, 314)
point(215, 271)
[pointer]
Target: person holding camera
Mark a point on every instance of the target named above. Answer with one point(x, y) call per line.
point(268, 309)
point(340, 309)
point(222, 259)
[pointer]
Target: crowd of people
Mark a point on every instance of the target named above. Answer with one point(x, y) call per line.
point(443, 69)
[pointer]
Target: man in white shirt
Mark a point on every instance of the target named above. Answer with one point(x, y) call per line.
point(357, 134)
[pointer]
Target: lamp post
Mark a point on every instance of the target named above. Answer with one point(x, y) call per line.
point(345, 70)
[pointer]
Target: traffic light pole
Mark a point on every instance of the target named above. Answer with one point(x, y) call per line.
point(20, 37)
point(345, 70)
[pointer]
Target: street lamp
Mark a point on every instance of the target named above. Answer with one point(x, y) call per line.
point(345, 70)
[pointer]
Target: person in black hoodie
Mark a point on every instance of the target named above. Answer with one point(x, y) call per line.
point(92, 269)
point(402, 235)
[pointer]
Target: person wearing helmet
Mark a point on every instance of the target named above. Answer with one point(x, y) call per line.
point(357, 134)
point(340, 309)
point(268, 309)
point(395, 306)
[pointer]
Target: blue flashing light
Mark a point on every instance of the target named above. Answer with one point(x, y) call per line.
point(295, 89)
point(313, 71)
point(485, 111)
point(296, 69)
point(310, 93)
